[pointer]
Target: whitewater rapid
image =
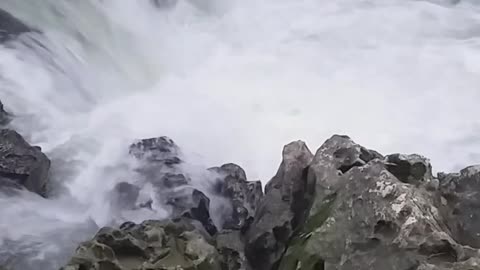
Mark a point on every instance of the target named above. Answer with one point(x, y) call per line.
point(229, 81)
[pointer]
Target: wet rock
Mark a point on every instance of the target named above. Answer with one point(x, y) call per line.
point(461, 194)
point(22, 164)
point(160, 166)
point(4, 116)
point(161, 151)
point(243, 195)
point(125, 195)
point(230, 245)
point(194, 204)
point(150, 245)
point(412, 169)
point(11, 27)
point(159, 160)
point(284, 206)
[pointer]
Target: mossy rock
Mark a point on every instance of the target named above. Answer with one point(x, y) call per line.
point(152, 245)
point(296, 257)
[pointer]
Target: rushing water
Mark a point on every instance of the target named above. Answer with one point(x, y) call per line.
point(229, 81)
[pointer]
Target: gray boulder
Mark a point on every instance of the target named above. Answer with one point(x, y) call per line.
point(287, 196)
point(461, 198)
point(365, 218)
point(335, 157)
point(22, 165)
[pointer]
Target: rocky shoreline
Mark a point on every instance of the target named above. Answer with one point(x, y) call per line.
point(344, 207)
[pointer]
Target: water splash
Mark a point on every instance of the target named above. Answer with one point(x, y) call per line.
point(230, 81)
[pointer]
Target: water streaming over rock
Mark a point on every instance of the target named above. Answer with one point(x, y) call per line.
point(230, 81)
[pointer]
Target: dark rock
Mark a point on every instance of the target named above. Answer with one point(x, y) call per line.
point(243, 195)
point(22, 164)
point(412, 169)
point(161, 151)
point(150, 245)
point(461, 194)
point(194, 204)
point(125, 195)
point(230, 245)
point(10, 27)
point(5, 117)
point(284, 206)
point(160, 160)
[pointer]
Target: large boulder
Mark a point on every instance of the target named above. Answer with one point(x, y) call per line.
point(22, 165)
point(151, 245)
point(11, 27)
point(282, 209)
point(461, 193)
point(365, 218)
point(243, 195)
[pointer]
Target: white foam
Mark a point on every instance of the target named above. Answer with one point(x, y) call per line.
point(233, 81)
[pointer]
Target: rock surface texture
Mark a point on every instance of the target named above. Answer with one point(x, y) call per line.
point(22, 165)
point(344, 208)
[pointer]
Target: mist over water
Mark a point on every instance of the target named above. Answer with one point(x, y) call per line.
point(229, 81)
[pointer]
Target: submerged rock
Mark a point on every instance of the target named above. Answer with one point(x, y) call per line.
point(22, 164)
point(11, 27)
point(125, 196)
point(287, 197)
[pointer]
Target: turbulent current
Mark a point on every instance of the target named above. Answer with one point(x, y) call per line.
point(229, 81)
